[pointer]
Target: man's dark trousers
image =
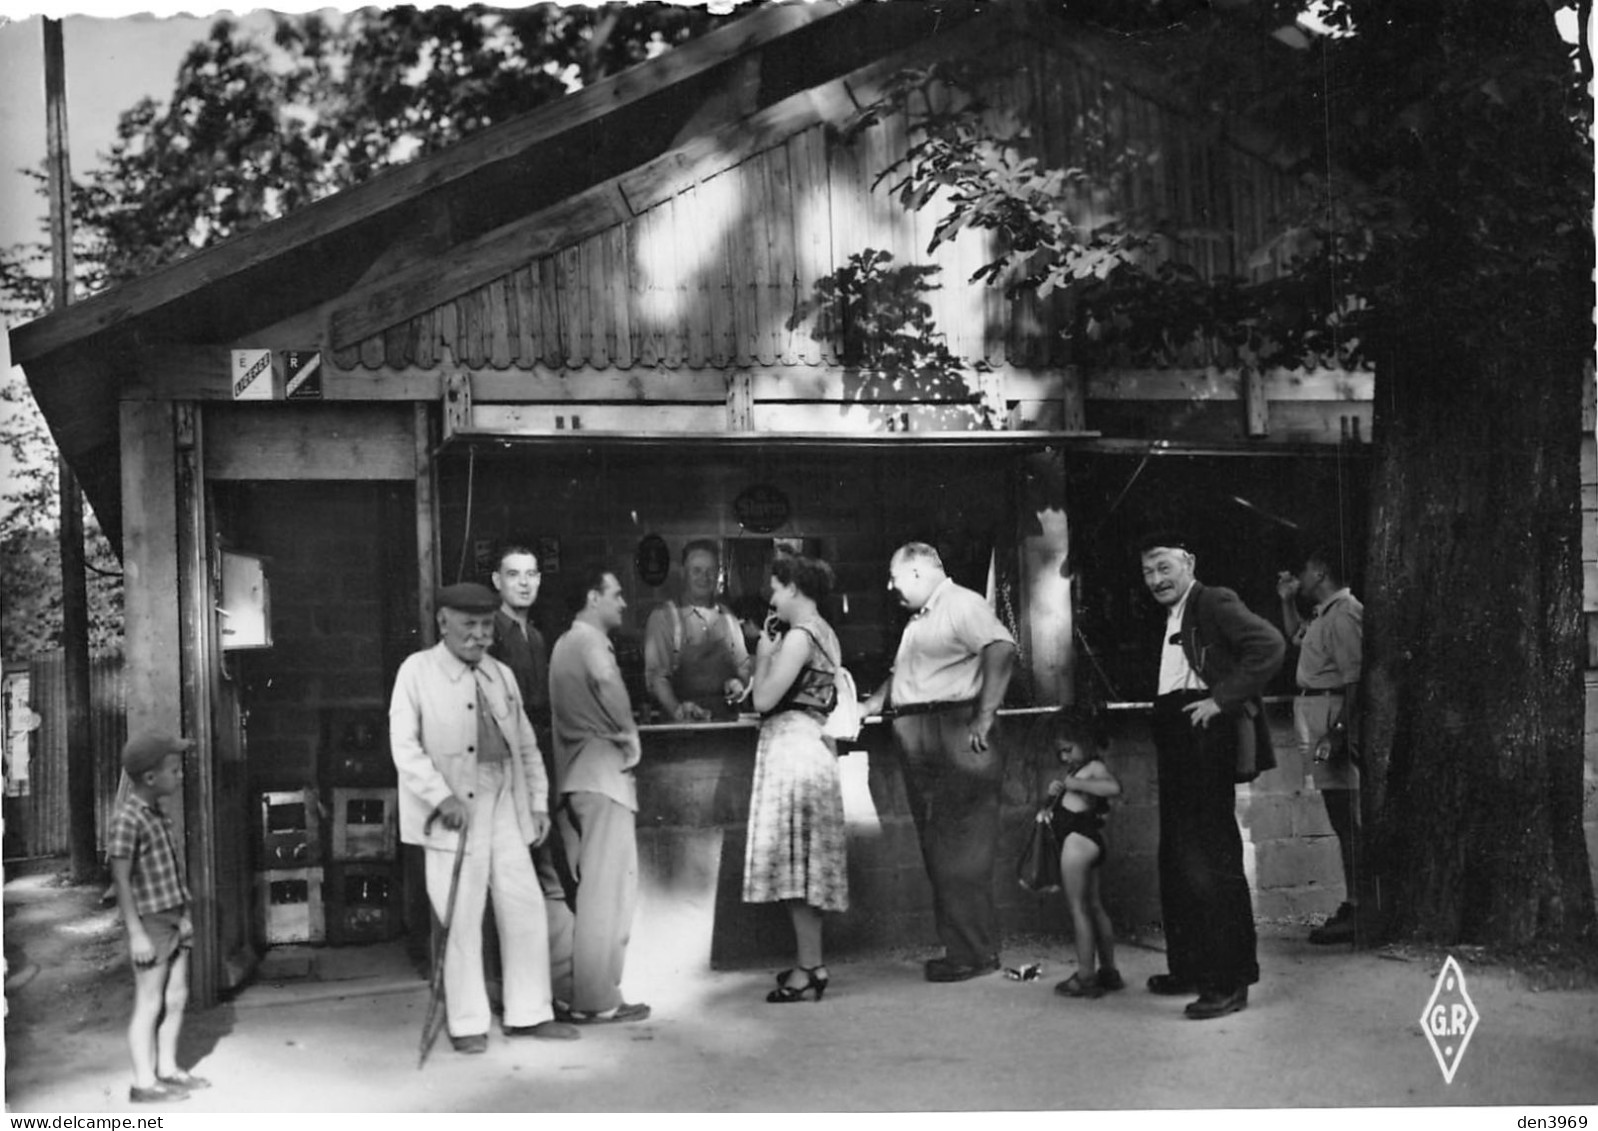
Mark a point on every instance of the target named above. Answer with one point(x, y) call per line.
point(1204, 896)
point(954, 797)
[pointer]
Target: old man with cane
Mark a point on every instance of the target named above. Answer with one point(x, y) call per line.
point(467, 759)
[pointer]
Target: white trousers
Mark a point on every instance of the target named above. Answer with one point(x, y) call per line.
point(497, 863)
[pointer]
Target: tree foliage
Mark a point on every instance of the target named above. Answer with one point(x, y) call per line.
point(255, 128)
point(890, 342)
point(1393, 123)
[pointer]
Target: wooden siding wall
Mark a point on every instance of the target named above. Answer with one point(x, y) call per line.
point(708, 271)
point(42, 814)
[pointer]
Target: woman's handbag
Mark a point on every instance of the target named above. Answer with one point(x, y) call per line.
point(844, 721)
point(1039, 866)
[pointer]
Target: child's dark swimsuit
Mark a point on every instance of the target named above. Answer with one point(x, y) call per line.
point(1088, 822)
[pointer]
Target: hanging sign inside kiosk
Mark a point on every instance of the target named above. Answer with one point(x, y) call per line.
point(761, 509)
point(652, 559)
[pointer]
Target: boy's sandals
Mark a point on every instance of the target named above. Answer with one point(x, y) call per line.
point(185, 1081)
point(156, 1094)
point(1078, 986)
point(1110, 978)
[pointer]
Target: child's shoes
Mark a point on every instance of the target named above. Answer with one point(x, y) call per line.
point(1110, 979)
point(184, 1082)
point(1078, 986)
point(156, 1094)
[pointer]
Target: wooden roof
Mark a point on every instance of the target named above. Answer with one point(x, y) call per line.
point(465, 251)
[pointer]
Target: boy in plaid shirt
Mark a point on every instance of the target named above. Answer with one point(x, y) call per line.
point(154, 901)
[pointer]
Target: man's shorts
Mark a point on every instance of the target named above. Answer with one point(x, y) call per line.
point(1312, 716)
point(165, 931)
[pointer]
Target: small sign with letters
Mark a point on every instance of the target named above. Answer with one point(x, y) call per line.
point(761, 509)
point(302, 375)
point(251, 378)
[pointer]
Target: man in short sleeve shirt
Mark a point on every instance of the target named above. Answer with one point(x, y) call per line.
point(948, 679)
point(1329, 666)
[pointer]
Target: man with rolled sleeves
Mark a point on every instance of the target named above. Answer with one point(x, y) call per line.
point(949, 677)
point(468, 762)
point(596, 750)
point(696, 664)
point(1215, 659)
point(1329, 666)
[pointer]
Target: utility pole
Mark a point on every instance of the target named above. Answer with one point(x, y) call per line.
point(74, 585)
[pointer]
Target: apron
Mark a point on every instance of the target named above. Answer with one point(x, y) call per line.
point(705, 666)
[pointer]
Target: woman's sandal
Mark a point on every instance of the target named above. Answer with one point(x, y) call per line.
point(1077, 986)
point(813, 981)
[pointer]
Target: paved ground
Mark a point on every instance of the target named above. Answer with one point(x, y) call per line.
point(1325, 1028)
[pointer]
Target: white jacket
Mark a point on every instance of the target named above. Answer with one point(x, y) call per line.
point(432, 728)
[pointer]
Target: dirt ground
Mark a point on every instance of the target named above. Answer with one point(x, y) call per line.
point(1326, 1027)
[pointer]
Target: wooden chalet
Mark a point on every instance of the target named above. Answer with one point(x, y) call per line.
point(597, 323)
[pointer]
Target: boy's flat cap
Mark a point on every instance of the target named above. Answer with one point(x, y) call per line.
point(145, 752)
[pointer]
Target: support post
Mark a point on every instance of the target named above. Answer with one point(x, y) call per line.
point(85, 859)
point(197, 654)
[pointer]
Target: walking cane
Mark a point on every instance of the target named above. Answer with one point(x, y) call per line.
point(435, 1015)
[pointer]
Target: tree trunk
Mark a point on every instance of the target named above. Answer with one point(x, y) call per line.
point(1474, 637)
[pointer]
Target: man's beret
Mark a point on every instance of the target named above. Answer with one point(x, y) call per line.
point(145, 752)
point(468, 597)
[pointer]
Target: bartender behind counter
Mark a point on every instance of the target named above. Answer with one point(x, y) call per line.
point(695, 659)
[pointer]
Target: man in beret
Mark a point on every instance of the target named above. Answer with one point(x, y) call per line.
point(468, 762)
point(1215, 659)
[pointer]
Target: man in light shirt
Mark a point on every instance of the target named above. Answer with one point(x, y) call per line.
point(950, 675)
point(1329, 666)
point(1215, 659)
point(596, 751)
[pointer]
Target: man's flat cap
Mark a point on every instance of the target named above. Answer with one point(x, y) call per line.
point(468, 597)
point(1164, 540)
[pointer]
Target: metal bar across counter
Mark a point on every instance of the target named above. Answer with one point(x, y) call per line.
point(752, 720)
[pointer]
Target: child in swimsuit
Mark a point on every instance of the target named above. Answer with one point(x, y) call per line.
point(1081, 799)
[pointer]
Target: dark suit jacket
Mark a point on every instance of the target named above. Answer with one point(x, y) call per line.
point(1235, 653)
